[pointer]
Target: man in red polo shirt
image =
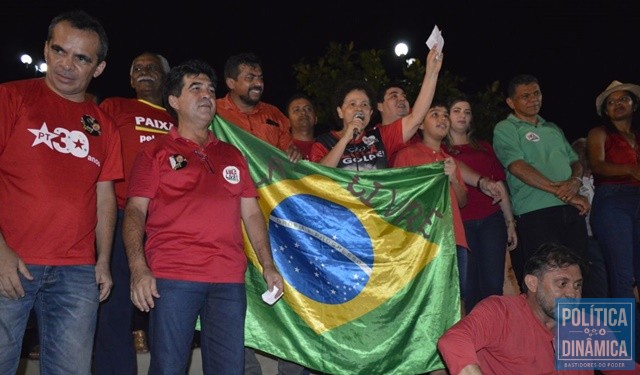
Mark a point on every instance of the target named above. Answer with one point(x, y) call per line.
point(193, 261)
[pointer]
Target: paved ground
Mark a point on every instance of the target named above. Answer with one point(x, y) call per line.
point(269, 366)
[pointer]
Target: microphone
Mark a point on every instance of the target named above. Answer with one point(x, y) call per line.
point(359, 115)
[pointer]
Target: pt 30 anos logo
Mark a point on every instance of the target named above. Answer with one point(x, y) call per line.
point(595, 333)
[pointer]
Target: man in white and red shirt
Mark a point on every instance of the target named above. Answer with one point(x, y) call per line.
point(59, 156)
point(139, 120)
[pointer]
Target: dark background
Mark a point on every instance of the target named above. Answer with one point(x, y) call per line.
point(575, 48)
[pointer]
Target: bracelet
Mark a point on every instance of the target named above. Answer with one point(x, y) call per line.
point(478, 183)
point(510, 221)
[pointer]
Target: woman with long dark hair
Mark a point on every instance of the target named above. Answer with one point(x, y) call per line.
point(490, 228)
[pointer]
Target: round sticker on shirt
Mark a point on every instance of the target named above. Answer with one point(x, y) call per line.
point(533, 137)
point(231, 174)
point(177, 161)
point(91, 125)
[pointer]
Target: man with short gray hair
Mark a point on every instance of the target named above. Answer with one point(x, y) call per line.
point(139, 121)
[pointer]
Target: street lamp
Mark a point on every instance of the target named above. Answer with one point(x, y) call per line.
point(40, 67)
point(401, 49)
point(26, 59)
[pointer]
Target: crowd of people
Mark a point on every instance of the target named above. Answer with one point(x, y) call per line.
point(106, 224)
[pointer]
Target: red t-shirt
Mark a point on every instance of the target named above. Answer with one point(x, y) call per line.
point(138, 122)
point(418, 154)
point(53, 152)
point(266, 121)
point(485, 162)
point(193, 226)
point(304, 147)
point(416, 138)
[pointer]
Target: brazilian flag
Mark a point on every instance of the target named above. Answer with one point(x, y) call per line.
point(368, 259)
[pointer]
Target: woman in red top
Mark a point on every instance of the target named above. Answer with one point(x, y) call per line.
point(615, 213)
point(489, 227)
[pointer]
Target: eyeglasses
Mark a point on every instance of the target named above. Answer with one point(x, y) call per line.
point(623, 99)
point(205, 161)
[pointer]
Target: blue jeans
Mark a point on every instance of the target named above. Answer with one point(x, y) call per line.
point(487, 239)
point(222, 309)
point(114, 349)
point(65, 301)
point(615, 221)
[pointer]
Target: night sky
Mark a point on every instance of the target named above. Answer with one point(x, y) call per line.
point(575, 48)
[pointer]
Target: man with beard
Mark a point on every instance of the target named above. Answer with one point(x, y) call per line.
point(242, 106)
point(515, 334)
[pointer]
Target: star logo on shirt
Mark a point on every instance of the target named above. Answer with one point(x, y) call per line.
point(78, 144)
point(43, 136)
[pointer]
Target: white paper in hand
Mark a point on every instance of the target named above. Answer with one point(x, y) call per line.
point(436, 38)
point(270, 296)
